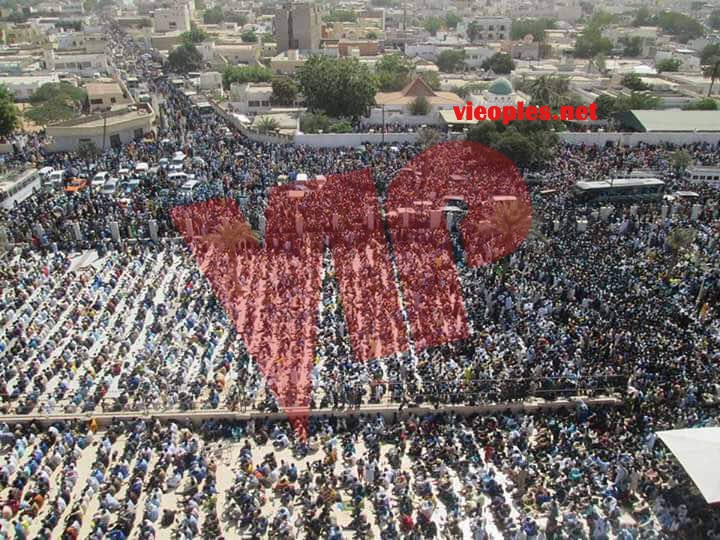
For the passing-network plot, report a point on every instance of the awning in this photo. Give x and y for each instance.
(698, 451)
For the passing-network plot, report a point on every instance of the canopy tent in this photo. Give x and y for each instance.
(698, 451)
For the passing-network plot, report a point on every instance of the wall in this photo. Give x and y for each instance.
(633, 139)
(332, 140)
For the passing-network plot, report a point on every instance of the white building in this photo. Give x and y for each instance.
(689, 59)
(475, 56)
(499, 93)
(175, 19)
(76, 63)
(24, 86)
(491, 28)
(250, 98)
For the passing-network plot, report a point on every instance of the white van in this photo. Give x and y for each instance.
(110, 187)
(178, 177)
(188, 188)
(99, 179)
(141, 167)
(55, 178)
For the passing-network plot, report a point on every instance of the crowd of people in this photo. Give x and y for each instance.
(264, 294)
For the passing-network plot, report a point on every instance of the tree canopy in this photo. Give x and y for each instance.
(246, 74)
(213, 15)
(284, 91)
(184, 58)
(433, 24)
(193, 36)
(702, 104)
(634, 82)
(9, 117)
(668, 64)
(683, 27)
(55, 102)
(340, 87)
(500, 63)
(451, 60)
(528, 144)
(535, 27)
(393, 72)
(340, 15)
(591, 42)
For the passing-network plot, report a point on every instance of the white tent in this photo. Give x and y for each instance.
(698, 451)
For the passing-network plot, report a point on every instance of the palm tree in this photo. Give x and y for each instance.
(549, 90)
(228, 237)
(679, 240)
(512, 219)
(267, 124)
(712, 71)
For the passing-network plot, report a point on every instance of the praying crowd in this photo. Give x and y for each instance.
(217, 314)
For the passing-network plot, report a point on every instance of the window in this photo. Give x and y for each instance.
(253, 103)
(138, 133)
(113, 100)
(115, 141)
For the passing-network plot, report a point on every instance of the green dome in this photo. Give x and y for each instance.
(500, 87)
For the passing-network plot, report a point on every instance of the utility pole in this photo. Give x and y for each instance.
(104, 117)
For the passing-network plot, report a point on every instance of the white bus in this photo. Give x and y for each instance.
(619, 189)
(703, 175)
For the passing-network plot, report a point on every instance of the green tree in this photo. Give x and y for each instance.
(420, 106)
(500, 63)
(432, 25)
(314, 123)
(343, 126)
(683, 27)
(473, 31)
(590, 42)
(708, 52)
(605, 106)
(184, 58)
(431, 78)
(714, 19)
(340, 15)
(451, 60)
(213, 15)
(249, 36)
(528, 144)
(535, 27)
(632, 47)
(636, 101)
(238, 18)
(668, 64)
(62, 89)
(550, 90)
(711, 71)
(193, 36)
(393, 72)
(428, 137)
(634, 82)
(245, 74)
(452, 20)
(340, 87)
(372, 35)
(284, 91)
(267, 124)
(9, 117)
(702, 104)
(642, 17)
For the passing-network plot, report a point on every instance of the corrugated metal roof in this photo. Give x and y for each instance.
(677, 120)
